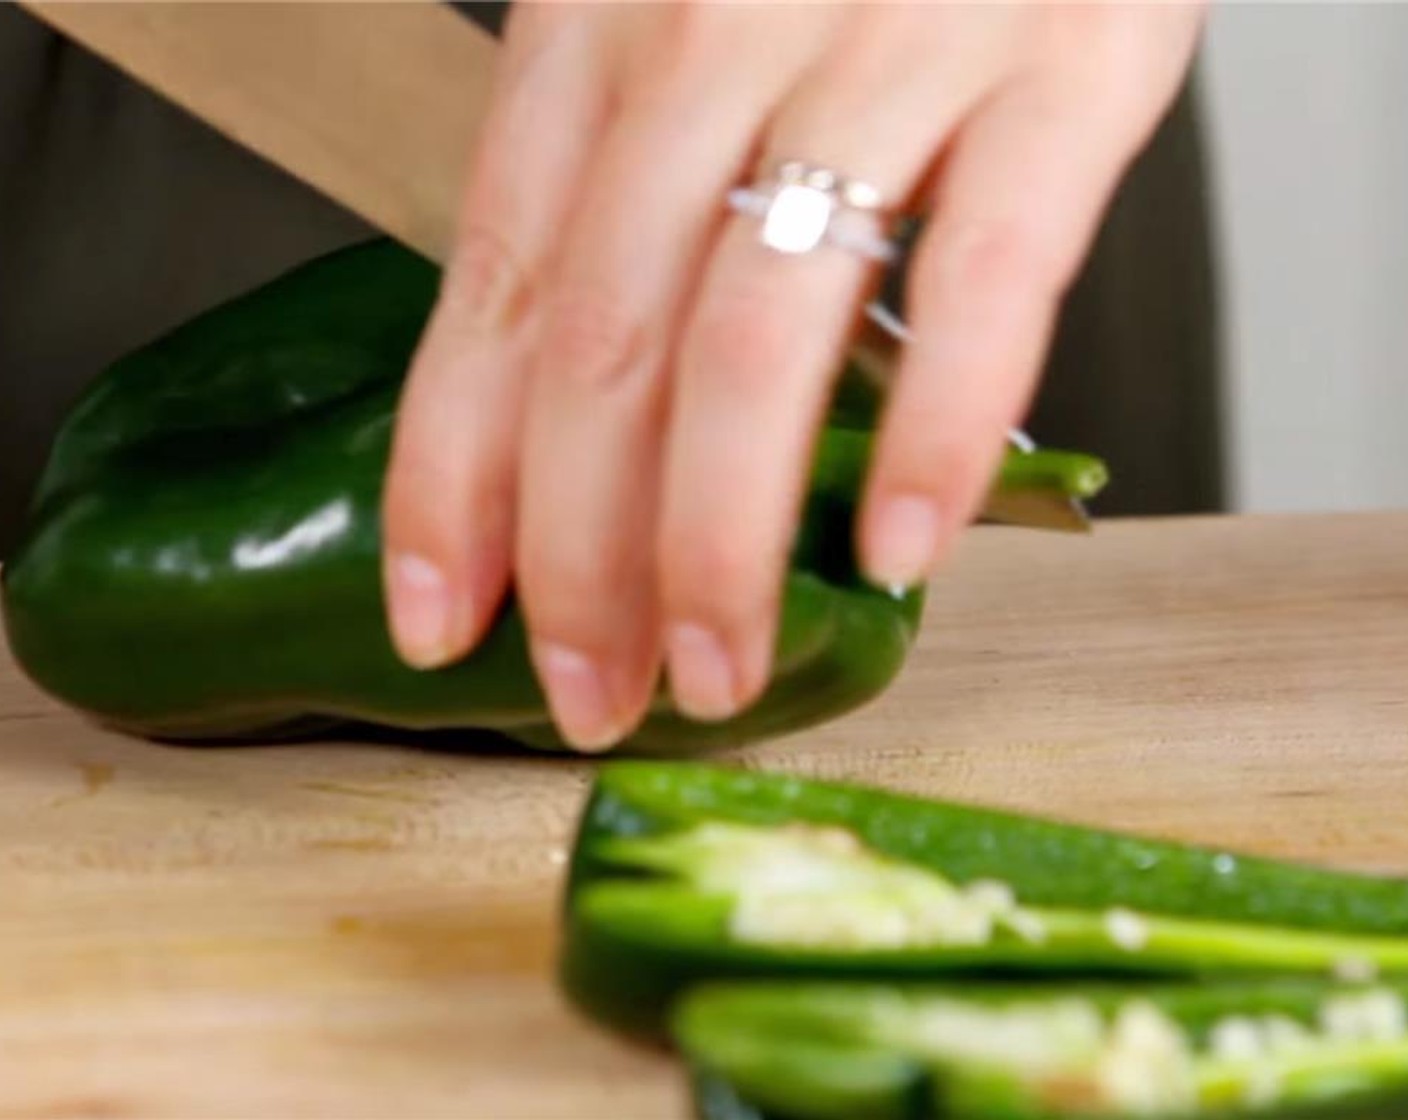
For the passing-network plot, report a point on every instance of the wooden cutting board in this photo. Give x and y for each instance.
(368, 931)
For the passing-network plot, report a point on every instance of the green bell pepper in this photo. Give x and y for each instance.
(201, 559)
(683, 874)
(1276, 1051)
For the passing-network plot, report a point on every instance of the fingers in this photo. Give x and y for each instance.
(448, 499)
(752, 378)
(613, 366)
(758, 355)
(593, 436)
(1024, 185)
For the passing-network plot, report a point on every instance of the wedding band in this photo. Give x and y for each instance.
(803, 206)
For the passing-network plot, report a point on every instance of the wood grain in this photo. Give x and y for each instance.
(374, 104)
(355, 931)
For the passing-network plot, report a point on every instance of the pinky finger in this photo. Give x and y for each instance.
(1022, 190)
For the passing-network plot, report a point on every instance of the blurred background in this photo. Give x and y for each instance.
(1307, 137)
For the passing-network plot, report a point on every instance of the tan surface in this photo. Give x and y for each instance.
(342, 931)
(374, 104)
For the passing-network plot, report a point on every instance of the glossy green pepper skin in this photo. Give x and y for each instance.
(202, 559)
(666, 864)
(859, 1052)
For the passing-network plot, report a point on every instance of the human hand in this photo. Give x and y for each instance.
(614, 402)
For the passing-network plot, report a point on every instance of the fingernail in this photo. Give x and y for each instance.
(702, 679)
(903, 541)
(421, 611)
(577, 694)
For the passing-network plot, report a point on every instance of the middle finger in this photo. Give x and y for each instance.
(592, 441)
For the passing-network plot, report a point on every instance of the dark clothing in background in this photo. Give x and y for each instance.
(121, 216)
(1135, 373)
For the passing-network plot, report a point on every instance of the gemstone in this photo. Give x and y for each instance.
(797, 219)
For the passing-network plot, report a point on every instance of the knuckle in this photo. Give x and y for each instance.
(1003, 253)
(407, 514)
(1078, 35)
(954, 474)
(945, 473)
(1108, 38)
(590, 337)
(738, 339)
(414, 471)
(689, 40)
(936, 441)
(485, 285)
(576, 594)
(1115, 57)
(712, 574)
(436, 493)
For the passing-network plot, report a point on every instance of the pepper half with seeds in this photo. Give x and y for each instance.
(202, 558)
(1274, 1051)
(684, 874)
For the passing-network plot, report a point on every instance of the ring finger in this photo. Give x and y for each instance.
(768, 331)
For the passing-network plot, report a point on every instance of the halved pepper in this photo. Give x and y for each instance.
(1276, 1050)
(684, 874)
(201, 561)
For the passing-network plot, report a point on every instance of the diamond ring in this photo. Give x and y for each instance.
(803, 206)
